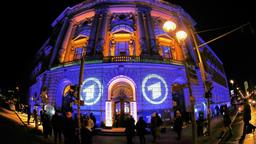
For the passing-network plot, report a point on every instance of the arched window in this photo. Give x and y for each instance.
(122, 41)
(66, 90)
(79, 44)
(169, 48)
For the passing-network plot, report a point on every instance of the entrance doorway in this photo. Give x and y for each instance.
(121, 101)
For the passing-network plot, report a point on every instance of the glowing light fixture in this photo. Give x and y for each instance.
(169, 26)
(181, 35)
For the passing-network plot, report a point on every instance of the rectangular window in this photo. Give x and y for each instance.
(78, 53)
(166, 51)
(122, 48)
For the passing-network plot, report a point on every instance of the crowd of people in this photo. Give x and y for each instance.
(65, 124)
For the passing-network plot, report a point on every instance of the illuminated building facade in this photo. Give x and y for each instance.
(131, 65)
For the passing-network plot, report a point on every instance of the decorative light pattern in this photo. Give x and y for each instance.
(91, 91)
(153, 84)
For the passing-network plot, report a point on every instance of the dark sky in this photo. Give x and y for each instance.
(26, 26)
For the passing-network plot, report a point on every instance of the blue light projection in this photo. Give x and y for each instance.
(154, 89)
(91, 91)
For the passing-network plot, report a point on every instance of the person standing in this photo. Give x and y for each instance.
(129, 129)
(141, 130)
(178, 124)
(29, 115)
(93, 118)
(57, 125)
(86, 131)
(226, 121)
(69, 129)
(35, 117)
(159, 124)
(153, 126)
(46, 123)
(246, 118)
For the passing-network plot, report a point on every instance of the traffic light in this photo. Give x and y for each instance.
(209, 87)
(208, 94)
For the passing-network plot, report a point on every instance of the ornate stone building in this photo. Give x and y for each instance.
(132, 66)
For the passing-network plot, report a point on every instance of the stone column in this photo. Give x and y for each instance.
(101, 31)
(151, 34)
(69, 49)
(92, 37)
(141, 31)
(59, 41)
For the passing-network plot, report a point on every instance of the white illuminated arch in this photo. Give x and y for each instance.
(133, 104)
(148, 77)
(121, 78)
(99, 92)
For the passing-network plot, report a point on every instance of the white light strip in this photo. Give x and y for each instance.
(134, 111)
(108, 114)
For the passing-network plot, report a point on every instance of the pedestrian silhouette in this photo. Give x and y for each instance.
(141, 130)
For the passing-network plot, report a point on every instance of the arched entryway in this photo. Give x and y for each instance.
(121, 101)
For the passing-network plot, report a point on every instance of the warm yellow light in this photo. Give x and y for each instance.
(164, 40)
(232, 81)
(169, 26)
(181, 35)
(122, 37)
(80, 41)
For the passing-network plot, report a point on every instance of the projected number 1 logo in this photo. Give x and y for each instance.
(91, 91)
(154, 89)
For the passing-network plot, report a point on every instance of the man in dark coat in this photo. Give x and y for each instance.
(57, 125)
(129, 128)
(141, 130)
(86, 132)
(69, 129)
(153, 126)
(178, 124)
(246, 117)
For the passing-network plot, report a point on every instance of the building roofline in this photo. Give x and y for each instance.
(90, 4)
(209, 48)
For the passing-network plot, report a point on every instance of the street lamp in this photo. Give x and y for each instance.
(169, 27)
(232, 82)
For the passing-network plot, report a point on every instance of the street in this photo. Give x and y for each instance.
(238, 130)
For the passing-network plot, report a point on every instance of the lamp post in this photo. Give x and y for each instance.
(81, 74)
(169, 27)
(203, 76)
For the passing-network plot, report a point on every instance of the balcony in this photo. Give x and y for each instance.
(121, 59)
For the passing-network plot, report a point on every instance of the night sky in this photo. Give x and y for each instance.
(26, 26)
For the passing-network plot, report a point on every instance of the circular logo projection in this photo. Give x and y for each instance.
(154, 89)
(91, 91)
